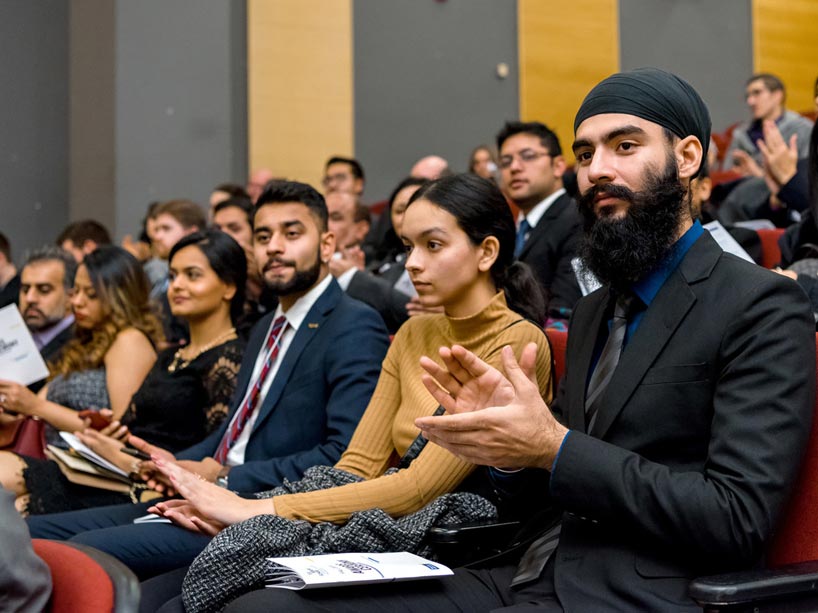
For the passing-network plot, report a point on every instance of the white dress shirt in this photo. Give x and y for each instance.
(295, 317)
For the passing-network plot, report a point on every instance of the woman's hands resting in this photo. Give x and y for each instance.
(207, 508)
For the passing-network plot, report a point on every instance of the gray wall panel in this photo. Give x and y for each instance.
(92, 163)
(34, 125)
(708, 43)
(180, 102)
(425, 82)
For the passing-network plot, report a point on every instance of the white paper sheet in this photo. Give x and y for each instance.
(20, 360)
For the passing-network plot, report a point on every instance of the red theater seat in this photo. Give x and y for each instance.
(790, 581)
(86, 580)
(558, 340)
(770, 251)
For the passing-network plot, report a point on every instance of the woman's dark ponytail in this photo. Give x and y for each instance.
(524, 294)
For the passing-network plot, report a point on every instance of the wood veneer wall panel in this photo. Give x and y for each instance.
(300, 85)
(565, 48)
(785, 43)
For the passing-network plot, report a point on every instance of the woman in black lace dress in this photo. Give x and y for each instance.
(186, 394)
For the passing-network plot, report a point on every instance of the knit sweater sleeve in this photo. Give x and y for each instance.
(434, 472)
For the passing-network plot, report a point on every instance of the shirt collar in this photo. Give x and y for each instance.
(295, 314)
(647, 288)
(43, 337)
(535, 214)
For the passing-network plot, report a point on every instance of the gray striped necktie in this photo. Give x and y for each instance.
(608, 360)
(536, 556)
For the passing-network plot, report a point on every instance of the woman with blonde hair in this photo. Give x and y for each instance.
(116, 333)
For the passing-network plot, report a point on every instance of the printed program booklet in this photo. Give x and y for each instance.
(306, 572)
(20, 360)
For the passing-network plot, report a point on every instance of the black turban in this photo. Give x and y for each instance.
(652, 94)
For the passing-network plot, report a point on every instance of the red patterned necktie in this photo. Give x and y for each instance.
(236, 427)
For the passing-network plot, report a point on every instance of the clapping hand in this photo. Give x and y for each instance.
(780, 158)
(492, 419)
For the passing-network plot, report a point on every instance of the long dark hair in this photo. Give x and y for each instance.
(226, 258)
(123, 289)
(481, 211)
(390, 246)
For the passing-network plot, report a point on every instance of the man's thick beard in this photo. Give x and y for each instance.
(302, 280)
(620, 252)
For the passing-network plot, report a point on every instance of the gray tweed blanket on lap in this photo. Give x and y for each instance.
(234, 561)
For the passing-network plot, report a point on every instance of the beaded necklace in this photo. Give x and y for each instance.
(179, 361)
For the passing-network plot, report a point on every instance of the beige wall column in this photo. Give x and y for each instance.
(300, 84)
(565, 49)
(785, 43)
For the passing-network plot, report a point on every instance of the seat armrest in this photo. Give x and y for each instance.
(756, 585)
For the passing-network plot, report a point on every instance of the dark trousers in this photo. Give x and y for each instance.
(470, 591)
(148, 550)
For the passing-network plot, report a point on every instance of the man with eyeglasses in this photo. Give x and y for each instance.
(343, 175)
(548, 227)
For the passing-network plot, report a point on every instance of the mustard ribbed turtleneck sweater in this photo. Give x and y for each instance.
(387, 428)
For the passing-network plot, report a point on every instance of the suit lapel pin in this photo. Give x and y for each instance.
(312, 326)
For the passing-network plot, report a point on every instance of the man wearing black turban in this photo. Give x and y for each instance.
(684, 410)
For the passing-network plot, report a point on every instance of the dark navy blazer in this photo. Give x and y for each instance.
(319, 393)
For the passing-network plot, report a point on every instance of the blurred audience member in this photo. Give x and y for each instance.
(258, 179)
(483, 163)
(45, 300)
(225, 191)
(766, 98)
(155, 267)
(9, 279)
(234, 217)
(347, 263)
(382, 246)
(343, 175)
(765, 151)
(173, 220)
(81, 237)
(430, 167)
(390, 250)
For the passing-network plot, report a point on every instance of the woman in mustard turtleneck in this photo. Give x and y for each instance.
(459, 235)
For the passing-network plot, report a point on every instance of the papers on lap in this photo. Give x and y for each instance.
(332, 570)
(20, 360)
(93, 457)
(83, 472)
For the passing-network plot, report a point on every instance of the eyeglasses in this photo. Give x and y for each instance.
(336, 178)
(526, 156)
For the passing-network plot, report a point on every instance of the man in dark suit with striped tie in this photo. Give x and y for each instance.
(308, 373)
